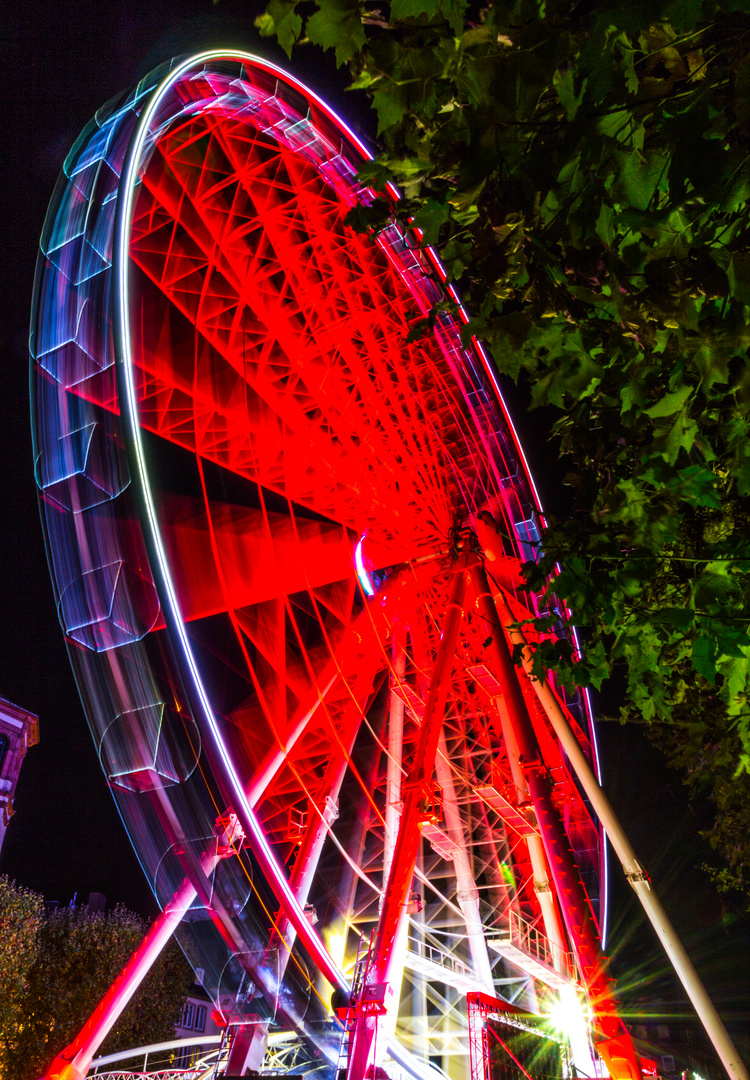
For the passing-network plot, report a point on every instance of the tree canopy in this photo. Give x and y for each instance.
(56, 968)
(21, 917)
(582, 170)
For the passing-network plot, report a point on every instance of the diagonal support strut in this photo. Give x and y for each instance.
(367, 1048)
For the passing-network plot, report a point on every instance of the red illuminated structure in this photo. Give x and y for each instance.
(482, 1036)
(285, 539)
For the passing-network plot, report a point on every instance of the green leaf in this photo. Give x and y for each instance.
(401, 10)
(683, 14)
(265, 24)
(375, 174)
(479, 35)
(507, 359)
(337, 24)
(627, 63)
(703, 658)
(697, 485)
(638, 177)
(735, 673)
(391, 104)
(570, 96)
(364, 218)
(429, 219)
(364, 80)
(281, 18)
(633, 395)
(506, 341)
(679, 618)
(681, 435)
(739, 276)
(597, 665)
(615, 125)
(670, 403)
(456, 256)
(454, 12)
(604, 225)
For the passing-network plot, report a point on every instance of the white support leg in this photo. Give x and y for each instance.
(553, 926)
(634, 871)
(468, 895)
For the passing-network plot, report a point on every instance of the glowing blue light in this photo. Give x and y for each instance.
(364, 577)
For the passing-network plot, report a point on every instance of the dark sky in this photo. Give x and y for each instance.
(60, 62)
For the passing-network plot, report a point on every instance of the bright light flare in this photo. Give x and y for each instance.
(568, 1017)
(336, 943)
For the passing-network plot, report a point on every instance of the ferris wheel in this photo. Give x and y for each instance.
(285, 517)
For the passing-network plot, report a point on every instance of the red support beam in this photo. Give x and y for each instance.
(480, 1007)
(319, 818)
(613, 1041)
(74, 1061)
(419, 795)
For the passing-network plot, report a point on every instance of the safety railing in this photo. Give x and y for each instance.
(176, 1059)
(438, 956)
(535, 943)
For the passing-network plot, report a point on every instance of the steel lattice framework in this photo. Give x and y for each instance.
(276, 521)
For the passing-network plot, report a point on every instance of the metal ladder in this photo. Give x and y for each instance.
(361, 964)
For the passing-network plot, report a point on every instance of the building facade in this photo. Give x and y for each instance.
(19, 729)
(197, 1020)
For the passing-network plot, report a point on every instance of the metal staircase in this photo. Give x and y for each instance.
(348, 1014)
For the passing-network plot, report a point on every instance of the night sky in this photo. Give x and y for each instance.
(60, 62)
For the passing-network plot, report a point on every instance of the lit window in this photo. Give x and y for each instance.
(200, 1018)
(4, 744)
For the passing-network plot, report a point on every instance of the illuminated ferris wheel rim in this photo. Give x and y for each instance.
(144, 132)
